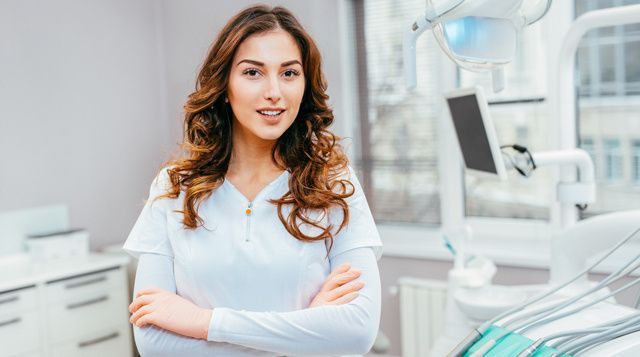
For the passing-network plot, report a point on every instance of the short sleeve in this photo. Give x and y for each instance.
(361, 231)
(149, 233)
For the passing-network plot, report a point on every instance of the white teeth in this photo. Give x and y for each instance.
(271, 113)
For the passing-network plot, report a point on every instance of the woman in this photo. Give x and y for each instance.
(245, 245)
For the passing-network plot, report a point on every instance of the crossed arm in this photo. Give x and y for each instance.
(331, 329)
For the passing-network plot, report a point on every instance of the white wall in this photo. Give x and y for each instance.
(82, 113)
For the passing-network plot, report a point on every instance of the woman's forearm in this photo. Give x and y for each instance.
(343, 329)
(151, 341)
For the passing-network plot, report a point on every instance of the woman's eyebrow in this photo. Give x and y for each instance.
(260, 64)
(289, 63)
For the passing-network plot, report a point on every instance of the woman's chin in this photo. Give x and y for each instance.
(269, 135)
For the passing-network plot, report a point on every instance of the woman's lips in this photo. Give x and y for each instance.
(272, 119)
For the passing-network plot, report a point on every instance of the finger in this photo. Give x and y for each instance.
(139, 301)
(340, 269)
(140, 313)
(347, 277)
(345, 299)
(344, 290)
(145, 320)
(341, 279)
(149, 290)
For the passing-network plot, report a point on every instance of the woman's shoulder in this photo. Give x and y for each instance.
(347, 176)
(343, 172)
(162, 189)
(161, 183)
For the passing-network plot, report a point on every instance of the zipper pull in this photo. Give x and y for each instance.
(248, 212)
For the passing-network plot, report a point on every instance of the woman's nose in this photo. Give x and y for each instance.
(272, 91)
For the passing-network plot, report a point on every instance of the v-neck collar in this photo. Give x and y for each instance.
(263, 191)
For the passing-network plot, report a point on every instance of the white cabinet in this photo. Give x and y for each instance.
(105, 344)
(20, 333)
(77, 307)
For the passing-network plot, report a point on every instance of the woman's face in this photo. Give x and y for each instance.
(266, 85)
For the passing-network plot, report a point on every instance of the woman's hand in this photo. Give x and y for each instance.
(166, 310)
(339, 288)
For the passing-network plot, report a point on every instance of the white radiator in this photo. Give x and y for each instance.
(422, 314)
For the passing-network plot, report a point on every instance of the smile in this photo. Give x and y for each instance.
(271, 113)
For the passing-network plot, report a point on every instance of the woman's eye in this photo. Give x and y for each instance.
(250, 72)
(291, 73)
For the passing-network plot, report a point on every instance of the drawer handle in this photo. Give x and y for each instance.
(11, 299)
(10, 322)
(88, 302)
(86, 282)
(99, 339)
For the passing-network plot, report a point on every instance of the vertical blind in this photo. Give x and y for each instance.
(396, 154)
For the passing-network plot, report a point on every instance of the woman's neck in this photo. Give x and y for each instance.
(252, 156)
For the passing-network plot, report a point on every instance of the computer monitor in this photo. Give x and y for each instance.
(475, 131)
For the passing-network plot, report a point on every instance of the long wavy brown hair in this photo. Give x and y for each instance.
(307, 148)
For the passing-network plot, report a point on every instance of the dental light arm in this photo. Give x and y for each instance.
(533, 13)
(411, 34)
(409, 49)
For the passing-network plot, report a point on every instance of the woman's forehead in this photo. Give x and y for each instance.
(271, 48)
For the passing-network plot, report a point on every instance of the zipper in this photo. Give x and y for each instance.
(248, 213)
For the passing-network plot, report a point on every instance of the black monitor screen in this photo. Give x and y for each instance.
(472, 135)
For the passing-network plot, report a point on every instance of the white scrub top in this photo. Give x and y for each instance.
(243, 258)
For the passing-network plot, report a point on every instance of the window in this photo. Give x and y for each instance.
(608, 57)
(589, 146)
(635, 157)
(396, 152)
(613, 160)
(608, 102)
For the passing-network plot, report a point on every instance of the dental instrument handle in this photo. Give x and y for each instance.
(587, 339)
(536, 316)
(578, 309)
(549, 310)
(484, 349)
(464, 345)
(603, 339)
(567, 337)
(561, 286)
(531, 349)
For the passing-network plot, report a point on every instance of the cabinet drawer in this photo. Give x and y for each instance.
(86, 314)
(96, 282)
(107, 343)
(19, 333)
(13, 301)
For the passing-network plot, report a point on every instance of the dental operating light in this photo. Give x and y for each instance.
(478, 35)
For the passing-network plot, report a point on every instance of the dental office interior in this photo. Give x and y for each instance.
(536, 257)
